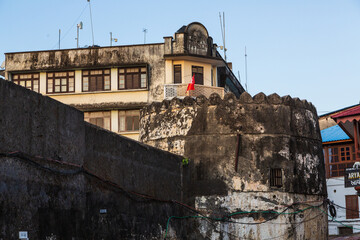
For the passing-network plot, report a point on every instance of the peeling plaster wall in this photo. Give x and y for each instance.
(87, 58)
(273, 132)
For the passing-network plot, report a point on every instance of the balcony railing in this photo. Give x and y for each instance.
(179, 90)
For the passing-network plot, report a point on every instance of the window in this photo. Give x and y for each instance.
(177, 73)
(129, 120)
(338, 158)
(96, 80)
(100, 119)
(60, 82)
(132, 78)
(199, 74)
(345, 230)
(352, 206)
(275, 177)
(28, 80)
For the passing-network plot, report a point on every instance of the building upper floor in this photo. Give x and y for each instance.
(133, 73)
(341, 142)
(111, 84)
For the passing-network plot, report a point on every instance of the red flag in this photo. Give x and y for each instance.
(191, 85)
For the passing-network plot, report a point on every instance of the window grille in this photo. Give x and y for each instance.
(276, 177)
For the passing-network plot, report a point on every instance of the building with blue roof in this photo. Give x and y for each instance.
(339, 154)
(333, 134)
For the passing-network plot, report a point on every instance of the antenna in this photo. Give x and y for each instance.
(222, 26)
(59, 37)
(112, 39)
(246, 78)
(92, 28)
(78, 26)
(145, 31)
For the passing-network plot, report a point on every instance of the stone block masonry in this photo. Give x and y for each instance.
(249, 154)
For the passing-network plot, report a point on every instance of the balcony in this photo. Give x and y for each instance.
(179, 91)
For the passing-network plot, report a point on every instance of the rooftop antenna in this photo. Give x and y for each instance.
(145, 31)
(92, 28)
(78, 26)
(222, 26)
(112, 39)
(59, 37)
(246, 78)
(239, 77)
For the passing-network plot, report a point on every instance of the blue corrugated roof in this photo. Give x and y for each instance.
(334, 133)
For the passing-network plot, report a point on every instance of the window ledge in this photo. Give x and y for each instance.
(129, 132)
(97, 92)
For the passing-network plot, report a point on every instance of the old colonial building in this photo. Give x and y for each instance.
(111, 84)
(341, 151)
(325, 120)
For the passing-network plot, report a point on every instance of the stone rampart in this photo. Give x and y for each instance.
(239, 148)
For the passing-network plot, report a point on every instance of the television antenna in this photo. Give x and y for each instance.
(112, 39)
(246, 78)
(59, 37)
(145, 32)
(222, 26)
(92, 28)
(78, 26)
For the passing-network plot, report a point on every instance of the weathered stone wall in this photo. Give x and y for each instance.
(57, 172)
(39, 125)
(268, 132)
(104, 57)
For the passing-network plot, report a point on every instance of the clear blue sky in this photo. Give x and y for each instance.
(303, 48)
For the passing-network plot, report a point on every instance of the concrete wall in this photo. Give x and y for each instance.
(65, 173)
(268, 132)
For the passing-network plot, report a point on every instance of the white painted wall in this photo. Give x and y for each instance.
(337, 193)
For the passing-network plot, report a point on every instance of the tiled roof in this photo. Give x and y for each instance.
(334, 133)
(350, 112)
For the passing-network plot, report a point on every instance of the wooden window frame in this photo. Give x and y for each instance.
(352, 206)
(51, 76)
(105, 115)
(199, 77)
(177, 81)
(17, 80)
(338, 158)
(129, 115)
(88, 74)
(276, 177)
(124, 72)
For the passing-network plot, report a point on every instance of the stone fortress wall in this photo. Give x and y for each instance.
(233, 146)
